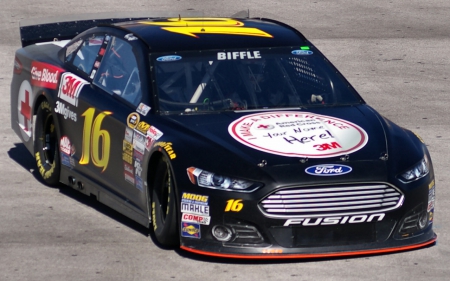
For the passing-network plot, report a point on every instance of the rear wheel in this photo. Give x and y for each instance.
(164, 211)
(46, 150)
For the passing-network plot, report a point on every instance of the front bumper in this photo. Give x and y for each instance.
(255, 234)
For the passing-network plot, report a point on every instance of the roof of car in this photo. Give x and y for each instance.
(176, 34)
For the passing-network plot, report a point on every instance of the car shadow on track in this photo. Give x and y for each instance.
(23, 157)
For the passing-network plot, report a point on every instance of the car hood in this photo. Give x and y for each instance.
(283, 137)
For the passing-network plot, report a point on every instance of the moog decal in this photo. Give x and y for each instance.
(298, 134)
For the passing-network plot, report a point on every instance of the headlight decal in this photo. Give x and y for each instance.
(211, 180)
(419, 171)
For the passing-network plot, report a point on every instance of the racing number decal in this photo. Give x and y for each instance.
(96, 142)
(191, 26)
(234, 205)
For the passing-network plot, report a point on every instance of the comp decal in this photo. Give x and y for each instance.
(24, 106)
(298, 134)
(196, 26)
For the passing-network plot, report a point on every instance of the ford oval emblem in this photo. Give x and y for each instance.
(302, 52)
(328, 170)
(169, 58)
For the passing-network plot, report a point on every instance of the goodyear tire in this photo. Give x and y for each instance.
(46, 150)
(163, 204)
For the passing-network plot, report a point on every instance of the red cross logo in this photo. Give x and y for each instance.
(25, 110)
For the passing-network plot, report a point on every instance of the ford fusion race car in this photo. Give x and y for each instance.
(229, 137)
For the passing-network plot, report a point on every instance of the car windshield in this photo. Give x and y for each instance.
(252, 79)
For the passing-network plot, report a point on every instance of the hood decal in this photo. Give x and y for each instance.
(298, 134)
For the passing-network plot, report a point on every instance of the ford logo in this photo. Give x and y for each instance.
(302, 52)
(169, 58)
(328, 170)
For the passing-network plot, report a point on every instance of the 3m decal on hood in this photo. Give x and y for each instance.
(193, 26)
(298, 134)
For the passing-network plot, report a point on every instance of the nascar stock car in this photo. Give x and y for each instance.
(228, 137)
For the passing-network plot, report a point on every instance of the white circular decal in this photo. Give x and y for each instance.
(25, 112)
(298, 134)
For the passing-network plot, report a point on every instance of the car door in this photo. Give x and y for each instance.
(101, 137)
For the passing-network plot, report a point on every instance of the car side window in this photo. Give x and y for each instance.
(88, 49)
(118, 72)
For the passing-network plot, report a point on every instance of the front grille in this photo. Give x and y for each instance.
(327, 201)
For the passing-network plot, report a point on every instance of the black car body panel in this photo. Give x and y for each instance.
(322, 176)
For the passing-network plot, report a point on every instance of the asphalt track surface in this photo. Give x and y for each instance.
(395, 53)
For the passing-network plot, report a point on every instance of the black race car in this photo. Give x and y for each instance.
(229, 137)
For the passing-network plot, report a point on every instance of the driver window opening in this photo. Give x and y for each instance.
(118, 72)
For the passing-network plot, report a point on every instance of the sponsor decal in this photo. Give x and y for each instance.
(128, 168)
(167, 147)
(328, 170)
(194, 198)
(137, 168)
(64, 145)
(234, 205)
(143, 109)
(70, 88)
(238, 55)
(133, 120)
(431, 201)
(129, 135)
(67, 151)
(298, 134)
(65, 111)
(194, 209)
(72, 48)
(127, 147)
(153, 134)
(24, 104)
(66, 160)
(185, 217)
(45, 75)
(302, 52)
(193, 26)
(138, 155)
(129, 178)
(127, 158)
(168, 58)
(142, 127)
(139, 142)
(334, 220)
(130, 37)
(190, 230)
(128, 172)
(139, 183)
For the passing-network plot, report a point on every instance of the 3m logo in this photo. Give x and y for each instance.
(327, 146)
(70, 88)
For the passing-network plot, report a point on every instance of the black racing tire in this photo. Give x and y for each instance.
(46, 148)
(163, 204)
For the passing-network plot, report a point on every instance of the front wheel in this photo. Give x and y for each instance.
(46, 150)
(163, 203)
